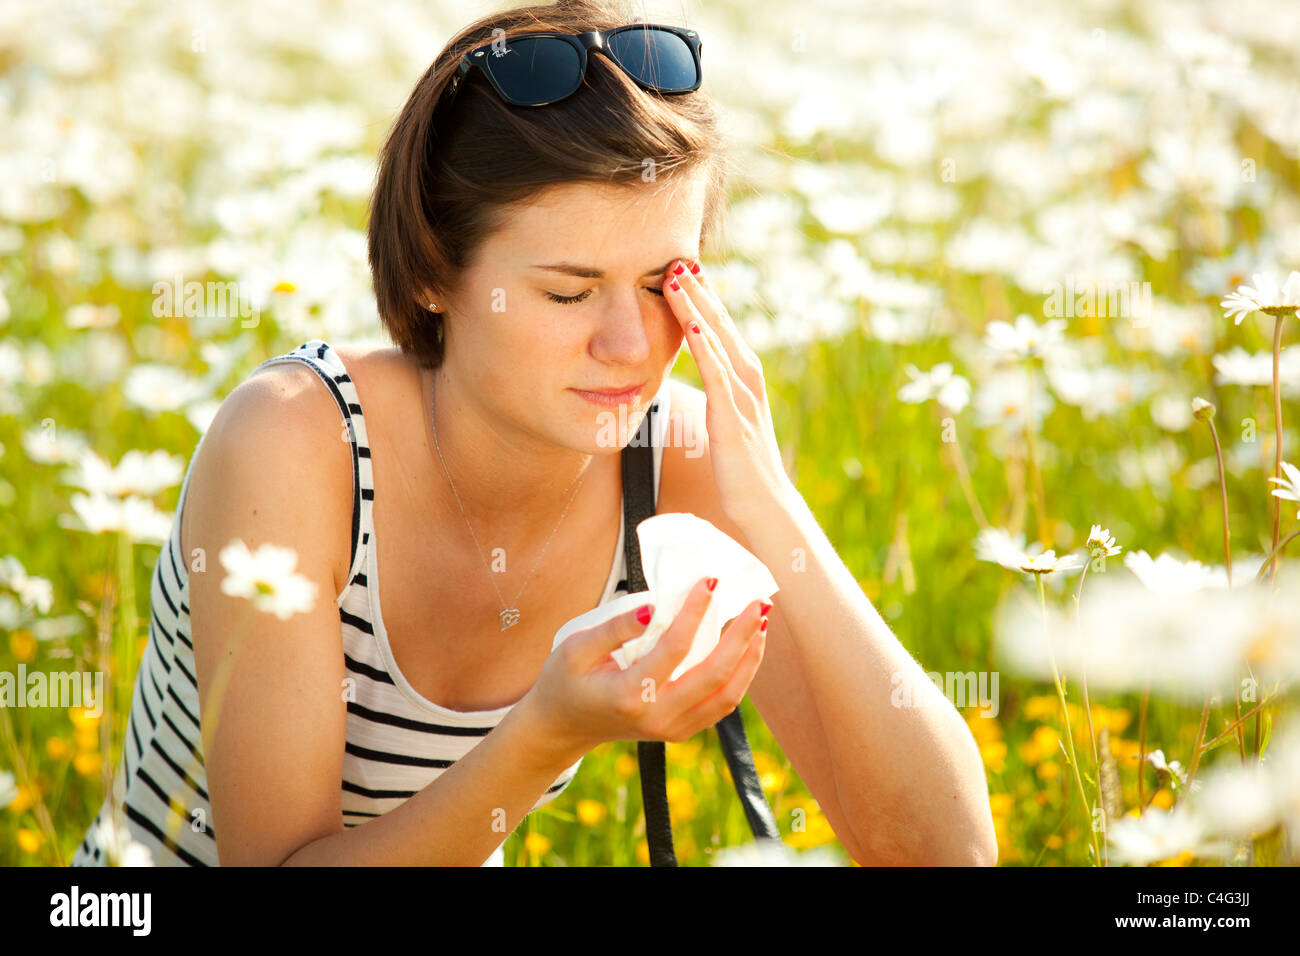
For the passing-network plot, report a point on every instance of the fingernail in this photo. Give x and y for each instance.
(764, 608)
(695, 327)
(711, 583)
(675, 286)
(763, 625)
(679, 270)
(695, 268)
(643, 614)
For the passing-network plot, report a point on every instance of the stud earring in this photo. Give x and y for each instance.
(433, 307)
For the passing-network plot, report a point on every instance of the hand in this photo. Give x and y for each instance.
(583, 699)
(747, 464)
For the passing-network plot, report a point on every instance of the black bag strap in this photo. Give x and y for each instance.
(639, 504)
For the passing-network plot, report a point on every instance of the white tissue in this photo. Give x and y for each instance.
(677, 550)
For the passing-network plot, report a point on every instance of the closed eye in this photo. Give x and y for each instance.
(571, 299)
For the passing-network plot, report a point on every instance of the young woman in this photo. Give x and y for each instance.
(534, 240)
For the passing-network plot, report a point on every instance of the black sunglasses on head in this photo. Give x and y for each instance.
(537, 69)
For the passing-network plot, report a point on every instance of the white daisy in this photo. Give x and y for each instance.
(1288, 487)
(120, 848)
(138, 517)
(1025, 337)
(1100, 543)
(951, 391)
(1264, 296)
(32, 592)
(1170, 768)
(1168, 575)
(137, 473)
(8, 790)
(1000, 547)
(1159, 835)
(267, 578)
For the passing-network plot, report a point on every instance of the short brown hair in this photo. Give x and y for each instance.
(440, 193)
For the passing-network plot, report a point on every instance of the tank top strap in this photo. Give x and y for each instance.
(318, 355)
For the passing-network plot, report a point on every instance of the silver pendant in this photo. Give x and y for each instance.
(509, 617)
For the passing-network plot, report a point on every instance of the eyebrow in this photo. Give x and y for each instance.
(587, 272)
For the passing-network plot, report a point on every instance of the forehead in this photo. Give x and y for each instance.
(604, 224)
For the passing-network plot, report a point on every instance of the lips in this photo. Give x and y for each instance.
(613, 391)
(610, 397)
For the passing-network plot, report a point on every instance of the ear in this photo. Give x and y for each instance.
(427, 295)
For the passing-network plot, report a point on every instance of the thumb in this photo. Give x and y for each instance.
(594, 643)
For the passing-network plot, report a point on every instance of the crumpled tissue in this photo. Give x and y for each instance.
(677, 550)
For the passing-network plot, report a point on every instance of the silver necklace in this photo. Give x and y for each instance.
(509, 615)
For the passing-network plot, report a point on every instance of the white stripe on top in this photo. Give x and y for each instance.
(397, 741)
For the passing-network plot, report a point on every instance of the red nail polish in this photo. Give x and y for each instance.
(674, 286)
(643, 614)
(711, 583)
(764, 608)
(763, 625)
(679, 270)
(695, 268)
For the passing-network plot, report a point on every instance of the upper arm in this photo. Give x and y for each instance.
(271, 470)
(779, 690)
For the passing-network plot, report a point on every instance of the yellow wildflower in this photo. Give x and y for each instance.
(1163, 799)
(23, 646)
(985, 730)
(29, 841)
(83, 717)
(643, 853)
(994, 754)
(686, 753)
(681, 798)
(1000, 804)
(87, 764)
(1049, 770)
(625, 764)
(591, 812)
(817, 831)
(1116, 721)
(57, 748)
(1042, 707)
(1043, 743)
(537, 844)
(21, 802)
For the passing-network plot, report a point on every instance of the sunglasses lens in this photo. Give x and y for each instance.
(655, 58)
(535, 70)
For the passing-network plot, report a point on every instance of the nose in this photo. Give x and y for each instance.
(621, 337)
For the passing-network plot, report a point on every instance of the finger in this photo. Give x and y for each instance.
(675, 643)
(593, 644)
(712, 673)
(744, 359)
(723, 701)
(705, 308)
(709, 357)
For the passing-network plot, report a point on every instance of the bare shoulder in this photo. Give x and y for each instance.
(277, 449)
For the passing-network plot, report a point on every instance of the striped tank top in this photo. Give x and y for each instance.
(397, 741)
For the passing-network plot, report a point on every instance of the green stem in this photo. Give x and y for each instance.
(1069, 734)
(124, 659)
(1277, 442)
(1282, 544)
(1223, 494)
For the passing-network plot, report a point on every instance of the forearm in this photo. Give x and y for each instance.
(466, 813)
(910, 777)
